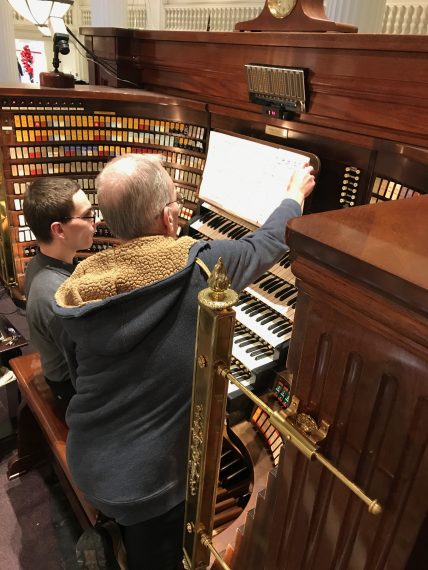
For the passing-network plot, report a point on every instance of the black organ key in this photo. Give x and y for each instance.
(238, 233)
(217, 222)
(224, 226)
(287, 294)
(266, 319)
(279, 328)
(253, 306)
(285, 261)
(279, 284)
(256, 310)
(227, 227)
(284, 292)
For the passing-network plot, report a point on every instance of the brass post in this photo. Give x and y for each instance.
(216, 320)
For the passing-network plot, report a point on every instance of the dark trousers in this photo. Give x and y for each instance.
(63, 392)
(156, 544)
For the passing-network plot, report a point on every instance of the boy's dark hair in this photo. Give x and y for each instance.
(48, 200)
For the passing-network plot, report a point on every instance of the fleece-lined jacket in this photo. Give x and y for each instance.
(131, 313)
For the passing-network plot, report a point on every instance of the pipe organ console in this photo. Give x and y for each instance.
(364, 117)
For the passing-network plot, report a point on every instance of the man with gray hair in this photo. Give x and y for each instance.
(131, 312)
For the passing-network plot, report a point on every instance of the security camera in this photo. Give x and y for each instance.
(59, 34)
(60, 45)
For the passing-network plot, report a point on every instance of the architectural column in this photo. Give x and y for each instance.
(113, 14)
(155, 14)
(8, 65)
(366, 14)
(81, 63)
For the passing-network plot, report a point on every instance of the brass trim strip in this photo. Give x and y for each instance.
(203, 266)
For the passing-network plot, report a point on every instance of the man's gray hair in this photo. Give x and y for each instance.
(132, 192)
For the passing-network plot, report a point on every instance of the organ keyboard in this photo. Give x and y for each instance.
(264, 288)
(243, 374)
(217, 224)
(252, 350)
(269, 324)
(265, 311)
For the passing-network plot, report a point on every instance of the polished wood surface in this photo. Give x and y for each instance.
(372, 85)
(359, 355)
(99, 93)
(384, 248)
(38, 410)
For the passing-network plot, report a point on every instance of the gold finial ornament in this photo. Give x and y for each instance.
(218, 280)
(218, 296)
(281, 8)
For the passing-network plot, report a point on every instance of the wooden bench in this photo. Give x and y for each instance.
(42, 428)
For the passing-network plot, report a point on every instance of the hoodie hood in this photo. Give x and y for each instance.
(135, 264)
(117, 297)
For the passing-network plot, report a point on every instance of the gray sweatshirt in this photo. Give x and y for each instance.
(43, 276)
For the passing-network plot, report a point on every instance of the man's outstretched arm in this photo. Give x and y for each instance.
(248, 258)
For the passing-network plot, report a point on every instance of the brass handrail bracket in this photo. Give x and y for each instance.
(304, 433)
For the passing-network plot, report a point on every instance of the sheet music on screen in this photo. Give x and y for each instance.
(245, 177)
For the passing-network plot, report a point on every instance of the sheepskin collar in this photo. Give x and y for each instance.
(134, 264)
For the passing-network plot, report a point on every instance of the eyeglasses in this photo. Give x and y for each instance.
(91, 217)
(180, 200)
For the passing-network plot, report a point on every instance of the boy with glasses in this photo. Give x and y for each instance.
(60, 216)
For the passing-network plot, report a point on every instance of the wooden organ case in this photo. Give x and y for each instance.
(359, 356)
(365, 118)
